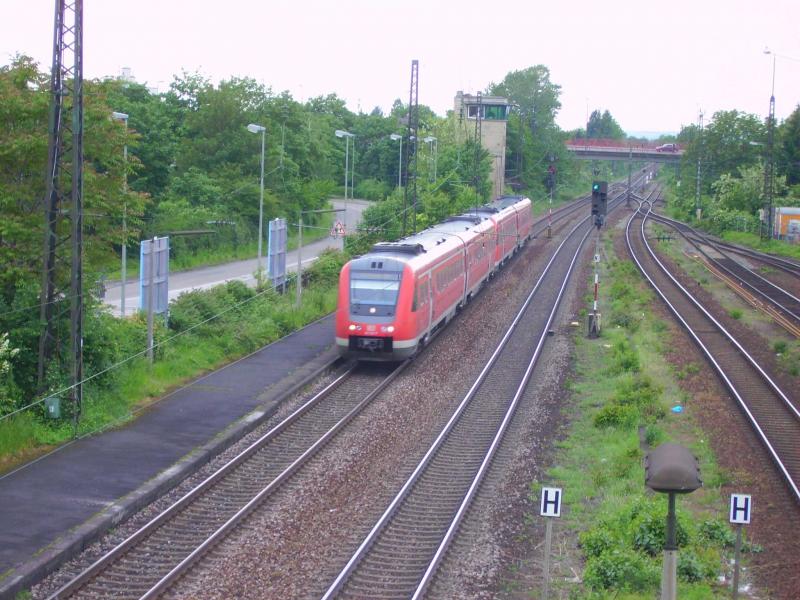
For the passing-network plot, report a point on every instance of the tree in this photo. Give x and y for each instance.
(534, 141)
(788, 154)
(731, 140)
(155, 122)
(604, 126)
(23, 151)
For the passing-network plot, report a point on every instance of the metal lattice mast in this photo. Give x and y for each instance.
(478, 146)
(697, 209)
(769, 168)
(411, 152)
(63, 206)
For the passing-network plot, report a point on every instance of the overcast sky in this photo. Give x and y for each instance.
(653, 65)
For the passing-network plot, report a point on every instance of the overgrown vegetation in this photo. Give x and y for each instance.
(623, 393)
(206, 329)
(730, 151)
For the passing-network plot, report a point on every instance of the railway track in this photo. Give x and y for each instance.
(401, 554)
(769, 410)
(149, 561)
(779, 303)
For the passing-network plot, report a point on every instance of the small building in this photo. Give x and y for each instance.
(786, 225)
(493, 111)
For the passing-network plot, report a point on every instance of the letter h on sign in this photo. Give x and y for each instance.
(551, 502)
(740, 509)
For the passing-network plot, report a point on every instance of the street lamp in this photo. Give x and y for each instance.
(395, 137)
(346, 135)
(253, 128)
(434, 147)
(118, 116)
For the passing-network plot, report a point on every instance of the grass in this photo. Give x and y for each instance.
(116, 397)
(623, 393)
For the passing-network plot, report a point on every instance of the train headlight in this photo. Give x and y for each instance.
(387, 328)
(352, 327)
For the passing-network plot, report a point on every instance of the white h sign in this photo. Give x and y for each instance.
(740, 509)
(551, 502)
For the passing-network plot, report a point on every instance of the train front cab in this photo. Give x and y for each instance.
(374, 292)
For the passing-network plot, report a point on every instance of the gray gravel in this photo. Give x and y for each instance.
(297, 542)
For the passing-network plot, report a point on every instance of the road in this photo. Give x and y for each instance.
(242, 270)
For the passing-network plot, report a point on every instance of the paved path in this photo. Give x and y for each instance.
(59, 504)
(243, 270)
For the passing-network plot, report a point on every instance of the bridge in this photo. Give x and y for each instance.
(593, 149)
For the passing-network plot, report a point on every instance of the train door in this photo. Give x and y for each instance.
(422, 305)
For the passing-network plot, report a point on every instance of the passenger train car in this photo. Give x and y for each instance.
(394, 298)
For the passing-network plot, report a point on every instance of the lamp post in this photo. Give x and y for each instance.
(124, 117)
(395, 137)
(253, 128)
(671, 469)
(434, 148)
(346, 135)
(769, 167)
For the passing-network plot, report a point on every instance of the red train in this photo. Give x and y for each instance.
(392, 299)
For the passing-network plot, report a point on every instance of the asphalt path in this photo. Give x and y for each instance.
(242, 270)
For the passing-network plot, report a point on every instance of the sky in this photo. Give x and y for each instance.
(653, 65)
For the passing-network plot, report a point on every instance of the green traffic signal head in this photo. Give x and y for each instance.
(595, 187)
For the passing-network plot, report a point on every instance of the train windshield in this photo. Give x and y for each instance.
(376, 289)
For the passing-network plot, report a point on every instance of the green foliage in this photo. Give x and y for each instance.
(788, 155)
(7, 352)
(649, 534)
(636, 400)
(716, 533)
(325, 270)
(621, 569)
(624, 357)
(372, 189)
(534, 141)
(604, 126)
(780, 347)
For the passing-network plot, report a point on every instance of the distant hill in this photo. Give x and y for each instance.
(650, 135)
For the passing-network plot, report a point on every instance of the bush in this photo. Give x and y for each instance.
(651, 533)
(372, 189)
(616, 415)
(622, 570)
(595, 542)
(625, 358)
(325, 270)
(635, 400)
(717, 533)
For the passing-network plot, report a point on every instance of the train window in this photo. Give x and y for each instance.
(374, 288)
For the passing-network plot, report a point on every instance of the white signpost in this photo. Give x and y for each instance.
(739, 514)
(550, 507)
(276, 253)
(153, 283)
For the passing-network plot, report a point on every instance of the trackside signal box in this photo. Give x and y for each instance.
(599, 202)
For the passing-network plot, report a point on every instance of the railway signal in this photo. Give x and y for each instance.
(599, 202)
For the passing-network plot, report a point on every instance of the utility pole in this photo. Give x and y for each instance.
(411, 148)
(697, 210)
(769, 168)
(478, 146)
(630, 165)
(64, 197)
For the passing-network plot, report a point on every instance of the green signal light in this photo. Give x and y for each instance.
(596, 187)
